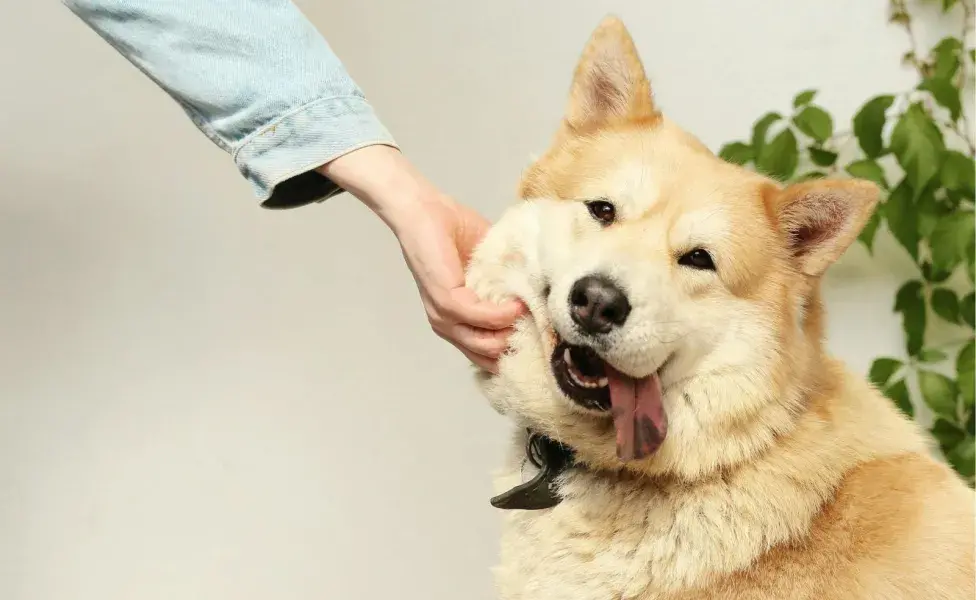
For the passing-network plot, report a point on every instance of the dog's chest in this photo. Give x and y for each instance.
(608, 541)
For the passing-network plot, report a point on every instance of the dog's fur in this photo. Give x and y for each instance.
(783, 475)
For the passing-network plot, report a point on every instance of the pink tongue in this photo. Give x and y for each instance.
(638, 414)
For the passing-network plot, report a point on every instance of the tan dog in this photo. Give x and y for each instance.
(675, 344)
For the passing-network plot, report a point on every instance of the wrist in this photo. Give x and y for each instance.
(382, 179)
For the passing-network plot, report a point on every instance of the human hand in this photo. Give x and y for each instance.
(437, 236)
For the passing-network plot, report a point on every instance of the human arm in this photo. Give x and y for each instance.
(257, 78)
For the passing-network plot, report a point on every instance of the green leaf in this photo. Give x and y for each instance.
(963, 457)
(899, 211)
(911, 304)
(947, 59)
(870, 229)
(931, 355)
(966, 372)
(779, 157)
(948, 434)
(951, 240)
(869, 123)
(959, 173)
(736, 153)
(948, 4)
(945, 303)
(868, 169)
(934, 276)
(759, 130)
(972, 55)
(918, 144)
(928, 213)
(939, 392)
(946, 94)
(898, 393)
(967, 308)
(882, 369)
(809, 175)
(804, 98)
(822, 158)
(815, 122)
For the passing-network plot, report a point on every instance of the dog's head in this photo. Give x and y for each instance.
(675, 318)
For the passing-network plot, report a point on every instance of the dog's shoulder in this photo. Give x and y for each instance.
(898, 527)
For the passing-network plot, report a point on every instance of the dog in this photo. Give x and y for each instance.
(685, 434)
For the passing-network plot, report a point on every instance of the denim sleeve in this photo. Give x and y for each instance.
(256, 77)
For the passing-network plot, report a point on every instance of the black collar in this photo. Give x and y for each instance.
(552, 458)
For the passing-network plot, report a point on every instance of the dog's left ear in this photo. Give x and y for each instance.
(820, 219)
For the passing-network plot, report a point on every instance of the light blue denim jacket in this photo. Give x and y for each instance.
(256, 77)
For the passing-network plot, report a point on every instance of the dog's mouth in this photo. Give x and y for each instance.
(582, 376)
(638, 412)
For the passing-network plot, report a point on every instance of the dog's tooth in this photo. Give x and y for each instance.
(567, 357)
(603, 382)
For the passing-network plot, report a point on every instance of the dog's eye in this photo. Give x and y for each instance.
(697, 259)
(602, 211)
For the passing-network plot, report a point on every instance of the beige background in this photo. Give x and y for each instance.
(201, 399)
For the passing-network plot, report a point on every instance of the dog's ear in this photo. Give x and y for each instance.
(609, 84)
(821, 218)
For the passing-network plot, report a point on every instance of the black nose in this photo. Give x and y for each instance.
(597, 305)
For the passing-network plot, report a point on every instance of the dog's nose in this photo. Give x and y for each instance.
(597, 305)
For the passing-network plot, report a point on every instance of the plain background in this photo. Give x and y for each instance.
(202, 399)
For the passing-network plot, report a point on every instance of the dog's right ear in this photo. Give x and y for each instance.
(609, 84)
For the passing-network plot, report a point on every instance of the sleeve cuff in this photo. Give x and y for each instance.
(280, 159)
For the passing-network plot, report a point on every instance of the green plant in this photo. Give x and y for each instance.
(918, 147)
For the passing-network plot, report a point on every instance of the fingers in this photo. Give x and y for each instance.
(485, 342)
(463, 306)
(480, 361)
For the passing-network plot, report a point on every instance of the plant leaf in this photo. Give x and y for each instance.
(928, 212)
(951, 239)
(779, 157)
(963, 457)
(931, 355)
(933, 276)
(899, 212)
(948, 434)
(939, 392)
(759, 130)
(945, 303)
(737, 153)
(804, 98)
(966, 309)
(809, 175)
(911, 304)
(946, 94)
(959, 173)
(918, 144)
(870, 228)
(815, 122)
(898, 393)
(947, 59)
(948, 4)
(868, 169)
(966, 372)
(882, 369)
(869, 123)
(822, 158)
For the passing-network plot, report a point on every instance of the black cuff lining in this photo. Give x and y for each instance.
(301, 190)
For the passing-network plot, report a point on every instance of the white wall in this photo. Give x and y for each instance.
(203, 399)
